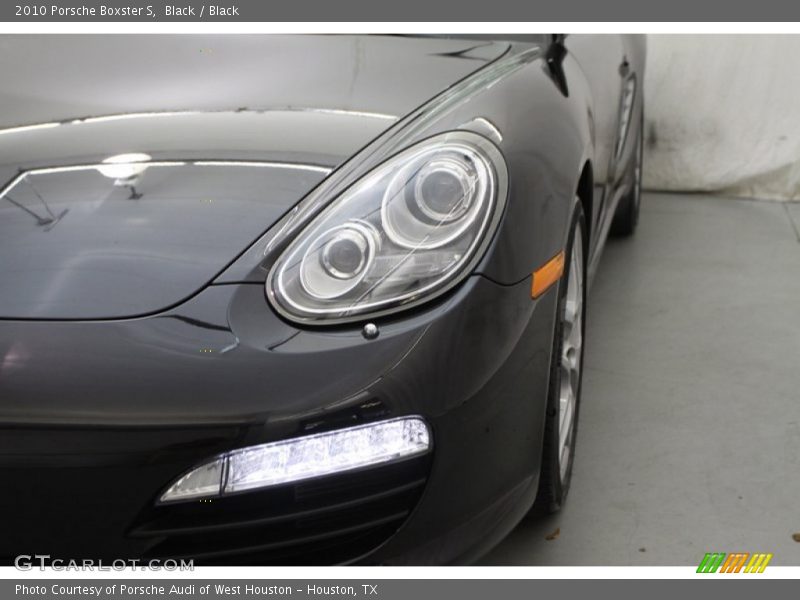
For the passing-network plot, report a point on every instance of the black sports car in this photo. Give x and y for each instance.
(299, 300)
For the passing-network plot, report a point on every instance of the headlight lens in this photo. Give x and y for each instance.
(403, 234)
(305, 457)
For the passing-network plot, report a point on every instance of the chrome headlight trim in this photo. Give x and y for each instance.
(462, 239)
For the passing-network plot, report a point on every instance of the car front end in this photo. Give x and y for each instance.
(223, 340)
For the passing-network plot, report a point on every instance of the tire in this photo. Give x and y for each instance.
(566, 375)
(626, 216)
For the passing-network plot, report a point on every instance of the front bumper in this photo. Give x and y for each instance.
(98, 417)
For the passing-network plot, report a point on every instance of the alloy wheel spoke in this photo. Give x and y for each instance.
(571, 350)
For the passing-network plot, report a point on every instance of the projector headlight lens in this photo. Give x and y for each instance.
(338, 261)
(302, 458)
(406, 232)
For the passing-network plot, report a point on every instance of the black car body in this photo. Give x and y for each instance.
(136, 337)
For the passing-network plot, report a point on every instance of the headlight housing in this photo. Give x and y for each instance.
(407, 232)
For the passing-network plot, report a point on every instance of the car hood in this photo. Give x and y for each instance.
(234, 132)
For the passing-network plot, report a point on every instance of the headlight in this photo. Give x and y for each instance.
(405, 233)
(305, 457)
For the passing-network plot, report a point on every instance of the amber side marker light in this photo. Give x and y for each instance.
(546, 275)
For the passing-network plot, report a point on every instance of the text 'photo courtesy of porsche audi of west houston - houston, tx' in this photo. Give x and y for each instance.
(300, 299)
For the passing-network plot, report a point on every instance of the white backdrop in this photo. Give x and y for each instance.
(722, 114)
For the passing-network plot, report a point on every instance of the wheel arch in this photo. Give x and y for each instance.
(585, 192)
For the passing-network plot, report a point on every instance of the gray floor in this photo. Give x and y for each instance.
(690, 424)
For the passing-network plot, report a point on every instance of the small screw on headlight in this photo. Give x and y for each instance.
(370, 331)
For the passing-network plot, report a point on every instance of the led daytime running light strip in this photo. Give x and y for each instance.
(301, 458)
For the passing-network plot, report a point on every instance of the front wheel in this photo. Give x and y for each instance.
(566, 373)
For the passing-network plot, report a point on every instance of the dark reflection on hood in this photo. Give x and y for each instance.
(133, 237)
(322, 137)
(24, 128)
